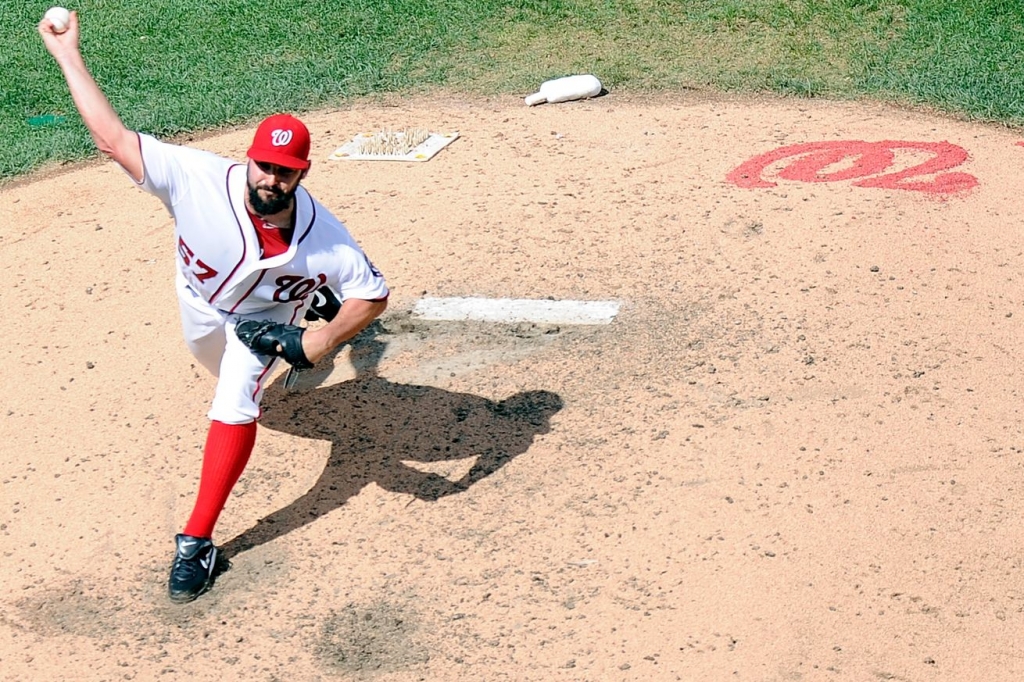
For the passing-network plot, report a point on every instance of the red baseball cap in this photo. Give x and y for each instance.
(281, 139)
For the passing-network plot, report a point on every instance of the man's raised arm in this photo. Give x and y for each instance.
(108, 132)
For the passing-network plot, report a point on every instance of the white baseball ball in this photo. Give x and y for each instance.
(59, 17)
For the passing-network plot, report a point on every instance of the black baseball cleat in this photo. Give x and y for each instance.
(192, 570)
(325, 305)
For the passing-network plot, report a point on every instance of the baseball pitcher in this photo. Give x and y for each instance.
(254, 252)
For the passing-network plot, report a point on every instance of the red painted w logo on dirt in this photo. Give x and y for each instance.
(811, 161)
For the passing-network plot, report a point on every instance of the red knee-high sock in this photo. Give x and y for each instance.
(228, 447)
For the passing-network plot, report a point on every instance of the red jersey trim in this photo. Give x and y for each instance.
(241, 234)
(312, 218)
(251, 289)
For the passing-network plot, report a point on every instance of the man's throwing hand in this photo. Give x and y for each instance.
(58, 36)
(267, 337)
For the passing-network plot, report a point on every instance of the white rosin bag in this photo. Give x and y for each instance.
(565, 89)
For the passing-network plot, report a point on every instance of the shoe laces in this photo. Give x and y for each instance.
(186, 568)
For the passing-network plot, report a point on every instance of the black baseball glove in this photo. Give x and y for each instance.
(267, 337)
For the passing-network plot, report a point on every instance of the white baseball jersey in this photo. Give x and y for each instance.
(218, 252)
(221, 277)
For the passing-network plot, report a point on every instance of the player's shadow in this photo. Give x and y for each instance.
(376, 426)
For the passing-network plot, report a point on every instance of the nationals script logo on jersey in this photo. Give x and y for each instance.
(280, 138)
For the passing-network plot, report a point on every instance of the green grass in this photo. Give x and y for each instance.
(184, 65)
(962, 57)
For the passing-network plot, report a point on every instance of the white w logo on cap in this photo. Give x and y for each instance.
(280, 138)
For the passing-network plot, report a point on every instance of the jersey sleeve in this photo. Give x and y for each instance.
(164, 169)
(360, 278)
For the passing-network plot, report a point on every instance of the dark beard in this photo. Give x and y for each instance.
(271, 207)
